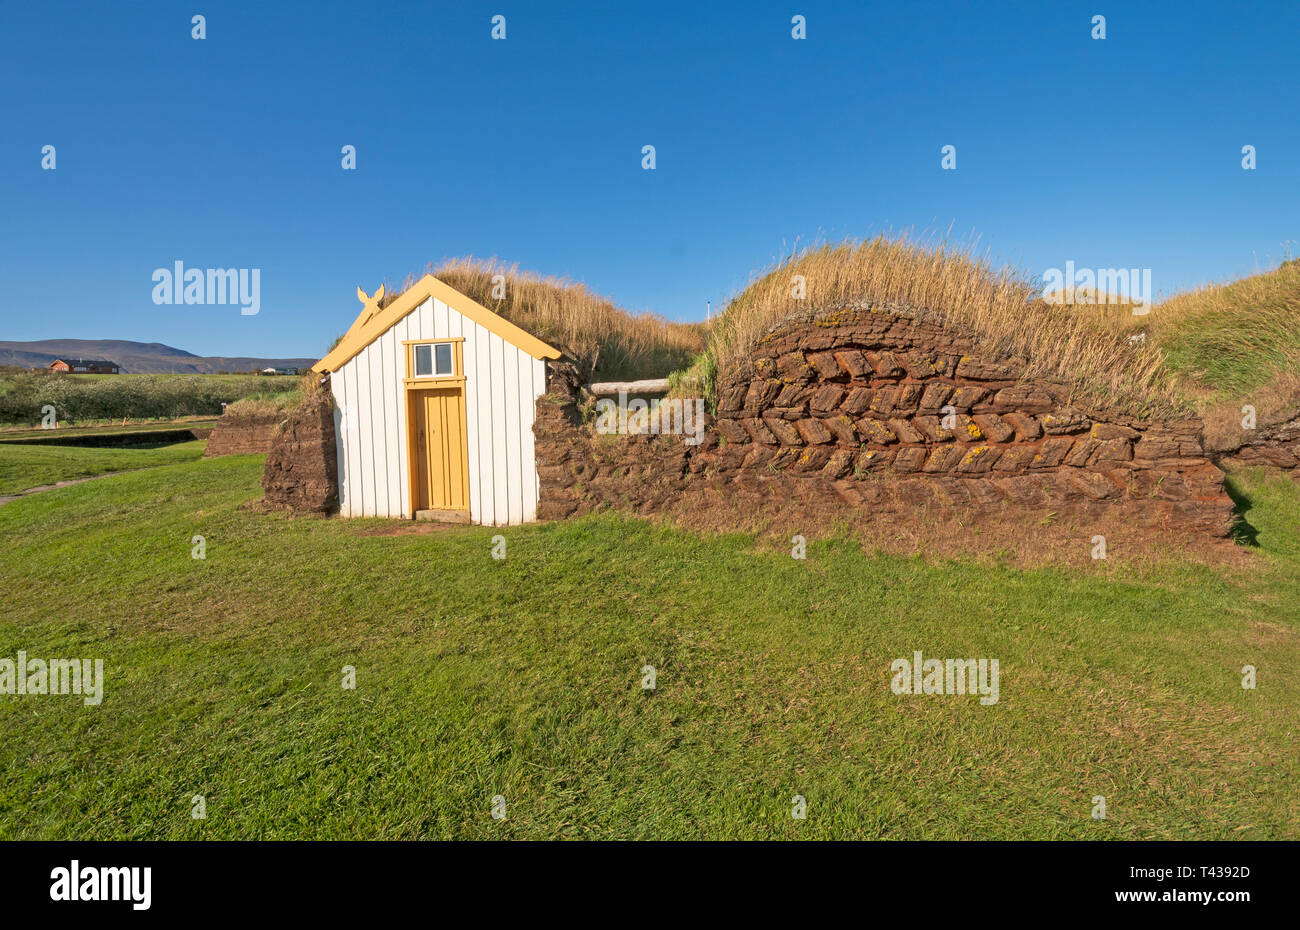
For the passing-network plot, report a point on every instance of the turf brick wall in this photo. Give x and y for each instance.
(237, 434)
(302, 467)
(852, 403)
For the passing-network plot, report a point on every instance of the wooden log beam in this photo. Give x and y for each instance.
(647, 386)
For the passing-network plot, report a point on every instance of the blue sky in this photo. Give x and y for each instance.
(225, 152)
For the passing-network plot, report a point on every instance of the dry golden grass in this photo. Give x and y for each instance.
(1197, 350)
(1093, 346)
(1089, 296)
(606, 341)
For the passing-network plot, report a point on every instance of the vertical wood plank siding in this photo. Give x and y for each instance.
(502, 384)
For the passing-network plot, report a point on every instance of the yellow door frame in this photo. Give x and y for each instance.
(413, 388)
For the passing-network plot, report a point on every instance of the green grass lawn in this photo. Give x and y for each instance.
(521, 677)
(29, 465)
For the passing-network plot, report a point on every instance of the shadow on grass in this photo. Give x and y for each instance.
(1243, 532)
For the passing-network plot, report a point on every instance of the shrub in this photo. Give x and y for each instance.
(23, 394)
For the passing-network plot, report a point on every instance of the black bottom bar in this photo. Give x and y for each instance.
(335, 879)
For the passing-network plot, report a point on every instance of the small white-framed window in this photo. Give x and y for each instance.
(434, 360)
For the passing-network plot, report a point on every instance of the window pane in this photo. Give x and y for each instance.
(423, 361)
(442, 352)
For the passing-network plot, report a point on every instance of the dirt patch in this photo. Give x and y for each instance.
(7, 498)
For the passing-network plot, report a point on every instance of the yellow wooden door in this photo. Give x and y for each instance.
(441, 477)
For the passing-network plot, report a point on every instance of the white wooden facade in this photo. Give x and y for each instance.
(502, 384)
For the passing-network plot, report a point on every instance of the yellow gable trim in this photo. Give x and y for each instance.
(372, 323)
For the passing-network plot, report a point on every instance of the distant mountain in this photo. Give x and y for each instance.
(137, 357)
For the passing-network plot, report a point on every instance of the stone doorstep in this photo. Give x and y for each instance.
(443, 516)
